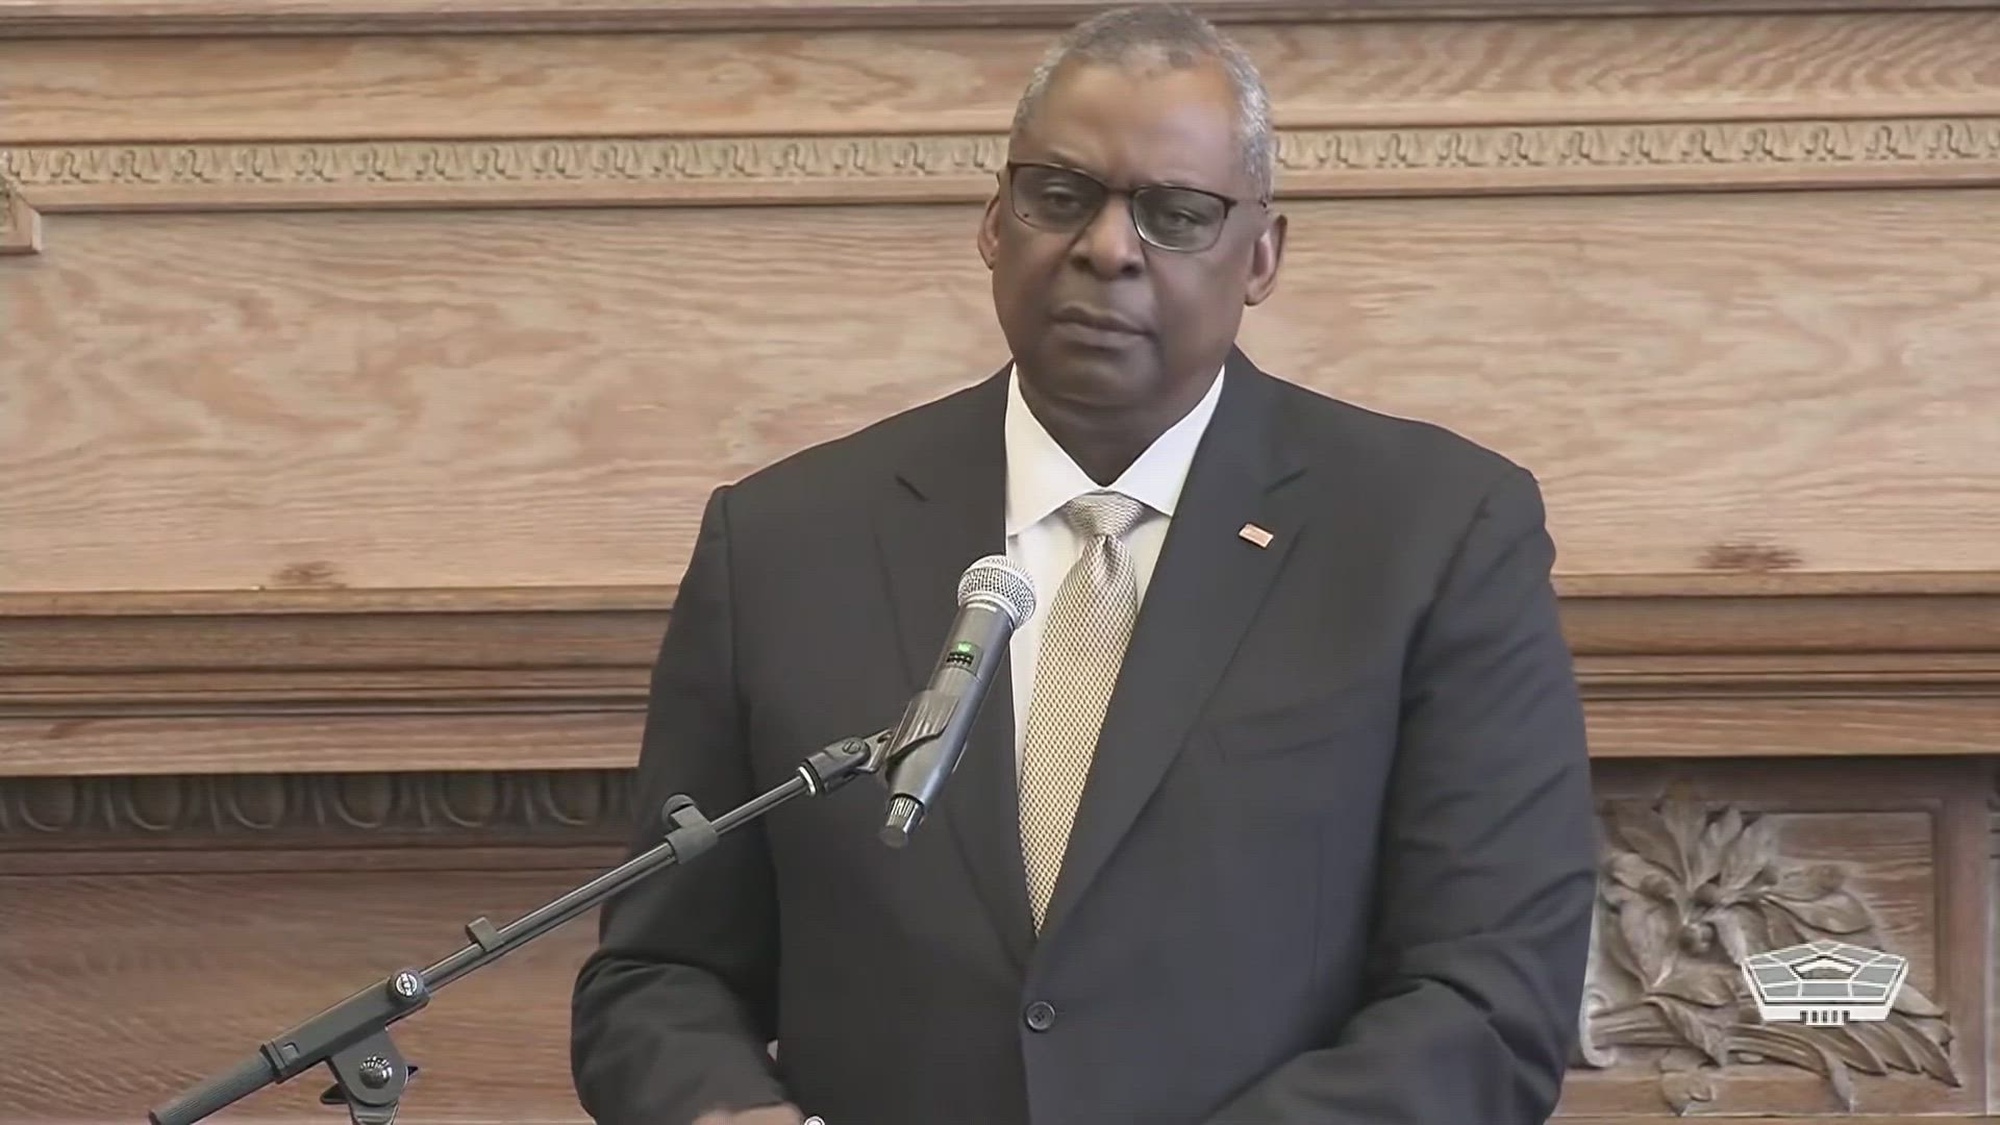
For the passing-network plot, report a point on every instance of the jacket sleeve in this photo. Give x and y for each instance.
(671, 1013)
(1487, 881)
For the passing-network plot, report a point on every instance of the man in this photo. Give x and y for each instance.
(1308, 839)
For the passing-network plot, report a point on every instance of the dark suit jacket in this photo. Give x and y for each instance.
(1334, 862)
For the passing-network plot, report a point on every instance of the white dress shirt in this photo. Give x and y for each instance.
(1042, 477)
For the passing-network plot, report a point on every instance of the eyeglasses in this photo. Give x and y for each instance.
(1184, 220)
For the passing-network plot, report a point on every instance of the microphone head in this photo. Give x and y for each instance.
(999, 581)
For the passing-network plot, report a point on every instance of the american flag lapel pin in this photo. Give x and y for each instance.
(1255, 534)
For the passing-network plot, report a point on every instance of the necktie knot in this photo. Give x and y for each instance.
(1096, 514)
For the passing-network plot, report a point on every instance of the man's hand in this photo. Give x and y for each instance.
(762, 1115)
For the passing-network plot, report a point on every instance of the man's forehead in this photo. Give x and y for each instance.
(1120, 120)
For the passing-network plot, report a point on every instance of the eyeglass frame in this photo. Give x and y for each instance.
(1229, 203)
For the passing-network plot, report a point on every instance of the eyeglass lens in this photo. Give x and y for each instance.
(1171, 218)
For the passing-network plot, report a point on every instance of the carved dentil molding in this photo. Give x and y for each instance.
(489, 806)
(1688, 891)
(960, 167)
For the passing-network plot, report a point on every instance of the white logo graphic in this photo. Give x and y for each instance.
(1824, 983)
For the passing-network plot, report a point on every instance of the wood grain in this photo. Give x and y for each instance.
(410, 862)
(520, 399)
(123, 990)
(1834, 617)
(255, 741)
(1727, 344)
(1320, 75)
(1793, 728)
(534, 370)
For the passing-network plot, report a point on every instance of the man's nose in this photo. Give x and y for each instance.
(1110, 245)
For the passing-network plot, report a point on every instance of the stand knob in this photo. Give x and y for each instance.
(375, 1072)
(407, 987)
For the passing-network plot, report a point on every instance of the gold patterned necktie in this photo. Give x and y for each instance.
(1083, 644)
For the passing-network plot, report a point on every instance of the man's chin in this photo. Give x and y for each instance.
(1093, 380)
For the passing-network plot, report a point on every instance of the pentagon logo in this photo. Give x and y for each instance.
(1824, 983)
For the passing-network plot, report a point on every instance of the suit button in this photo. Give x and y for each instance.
(1040, 1016)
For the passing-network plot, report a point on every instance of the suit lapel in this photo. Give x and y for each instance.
(945, 508)
(1206, 587)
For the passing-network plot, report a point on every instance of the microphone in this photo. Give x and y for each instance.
(995, 596)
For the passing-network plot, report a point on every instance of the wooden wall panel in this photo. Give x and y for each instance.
(159, 928)
(361, 378)
(1700, 382)
(544, 398)
(469, 400)
(124, 988)
(261, 900)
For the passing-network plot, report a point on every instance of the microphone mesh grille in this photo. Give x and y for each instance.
(1001, 578)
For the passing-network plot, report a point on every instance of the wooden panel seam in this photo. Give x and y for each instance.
(46, 18)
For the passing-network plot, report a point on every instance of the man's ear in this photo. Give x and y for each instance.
(989, 231)
(1266, 255)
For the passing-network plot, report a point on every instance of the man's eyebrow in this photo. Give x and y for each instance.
(1060, 158)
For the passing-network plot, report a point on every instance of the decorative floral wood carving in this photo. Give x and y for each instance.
(1687, 893)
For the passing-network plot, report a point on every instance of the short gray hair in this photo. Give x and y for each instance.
(1173, 36)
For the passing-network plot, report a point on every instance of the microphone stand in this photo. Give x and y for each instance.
(352, 1037)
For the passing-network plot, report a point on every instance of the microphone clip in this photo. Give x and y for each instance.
(843, 761)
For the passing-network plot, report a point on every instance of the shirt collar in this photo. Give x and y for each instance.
(1042, 477)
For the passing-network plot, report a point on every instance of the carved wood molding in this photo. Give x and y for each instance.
(1318, 163)
(22, 18)
(475, 808)
(551, 679)
(1685, 634)
(20, 224)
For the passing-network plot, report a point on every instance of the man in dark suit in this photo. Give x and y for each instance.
(1307, 838)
